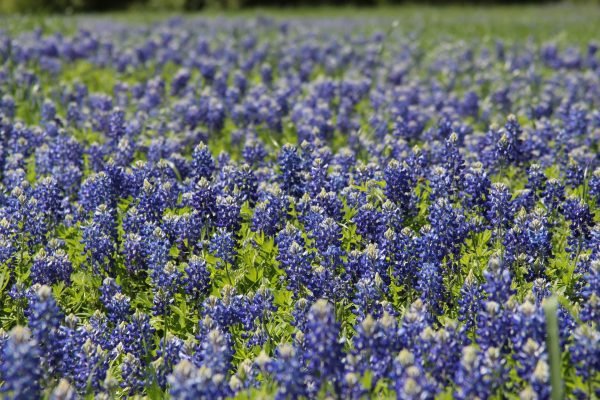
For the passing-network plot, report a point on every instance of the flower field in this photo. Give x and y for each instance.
(297, 207)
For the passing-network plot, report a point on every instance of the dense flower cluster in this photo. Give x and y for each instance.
(295, 209)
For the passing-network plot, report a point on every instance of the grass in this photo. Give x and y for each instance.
(557, 22)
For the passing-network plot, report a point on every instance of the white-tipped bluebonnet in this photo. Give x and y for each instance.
(203, 164)
(99, 238)
(287, 370)
(133, 374)
(375, 343)
(44, 320)
(431, 286)
(400, 183)
(409, 379)
(590, 294)
(188, 382)
(290, 165)
(48, 269)
(323, 348)
(581, 219)
(481, 373)
(413, 322)
(64, 391)
(553, 195)
(118, 306)
(585, 353)
(197, 280)
(20, 368)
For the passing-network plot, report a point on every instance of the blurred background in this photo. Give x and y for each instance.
(71, 6)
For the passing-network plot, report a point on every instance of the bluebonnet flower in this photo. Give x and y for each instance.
(47, 193)
(203, 164)
(99, 238)
(254, 152)
(323, 348)
(580, 218)
(136, 335)
(270, 214)
(230, 310)
(527, 322)
(540, 380)
(299, 313)
(197, 279)
(203, 199)
(19, 366)
(400, 247)
(296, 262)
(184, 229)
(476, 186)
(584, 352)
(574, 174)
(440, 352)
(590, 294)
(369, 223)
(169, 353)
(132, 374)
(450, 225)
(481, 373)
(223, 245)
(133, 252)
(414, 321)
(188, 382)
(290, 165)
(330, 203)
(116, 125)
(400, 183)
(470, 302)
(509, 146)
(97, 189)
(409, 379)
(553, 195)
(453, 162)
(118, 306)
(48, 269)
(228, 213)
(262, 308)
(156, 248)
(499, 209)
(370, 292)
(528, 244)
(246, 377)
(166, 283)
(428, 247)
(375, 343)
(45, 318)
(214, 351)
(287, 370)
(63, 391)
(180, 80)
(155, 198)
(430, 284)
(440, 183)
(594, 185)
(97, 329)
(327, 235)
(527, 356)
(48, 112)
(90, 364)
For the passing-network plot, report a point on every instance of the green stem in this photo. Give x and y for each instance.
(552, 341)
(228, 276)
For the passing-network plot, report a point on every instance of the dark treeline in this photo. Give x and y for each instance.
(61, 6)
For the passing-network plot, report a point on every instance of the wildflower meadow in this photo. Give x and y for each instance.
(358, 206)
